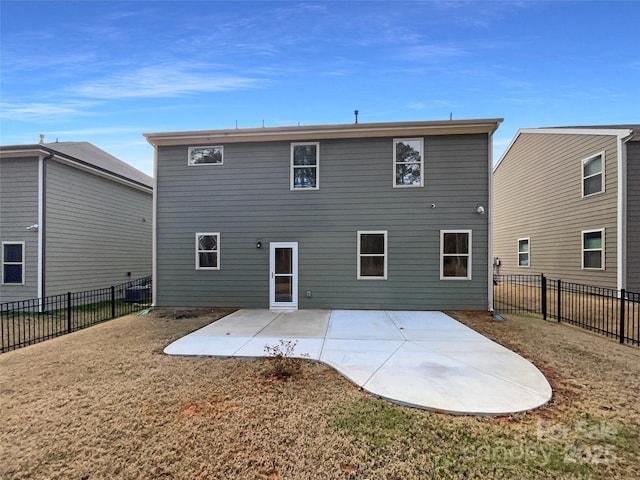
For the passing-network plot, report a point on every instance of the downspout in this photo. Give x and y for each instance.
(490, 228)
(621, 266)
(42, 227)
(154, 237)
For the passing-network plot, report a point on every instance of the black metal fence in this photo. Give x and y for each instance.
(27, 322)
(611, 312)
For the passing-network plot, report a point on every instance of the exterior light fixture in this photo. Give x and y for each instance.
(480, 210)
(258, 244)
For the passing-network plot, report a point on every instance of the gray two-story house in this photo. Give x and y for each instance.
(567, 204)
(353, 216)
(72, 218)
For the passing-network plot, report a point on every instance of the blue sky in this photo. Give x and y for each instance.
(106, 71)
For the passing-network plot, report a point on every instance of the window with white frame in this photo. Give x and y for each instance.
(593, 175)
(455, 254)
(523, 252)
(207, 251)
(305, 166)
(13, 263)
(593, 249)
(211, 155)
(408, 162)
(372, 255)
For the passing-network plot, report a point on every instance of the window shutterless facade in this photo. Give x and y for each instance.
(593, 175)
(523, 252)
(305, 166)
(455, 254)
(408, 162)
(593, 249)
(372, 255)
(211, 155)
(208, 251)
(13, 263)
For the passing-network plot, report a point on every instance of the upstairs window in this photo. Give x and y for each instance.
(593, 175)
(523, 252)
(372, 255)
(408, 162)
(207, 251)
(455, 254)
(205, 155)
(593, 249)
(13, 263)
(305, 165)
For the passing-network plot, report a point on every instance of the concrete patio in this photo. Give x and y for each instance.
(416, 358)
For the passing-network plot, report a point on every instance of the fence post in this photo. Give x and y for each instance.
(113, 302)
(543, 294)
(559, 300)
(68, 312)
(623, 294)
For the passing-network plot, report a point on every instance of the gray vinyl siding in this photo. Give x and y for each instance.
(538, 194)
(249, 199)
(633, 216)
(96, 231)
(19, 209)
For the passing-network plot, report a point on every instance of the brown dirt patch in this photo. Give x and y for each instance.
(105, 402)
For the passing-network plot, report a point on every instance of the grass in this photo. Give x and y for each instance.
(25, 327)
(105, 402)
(596, 312)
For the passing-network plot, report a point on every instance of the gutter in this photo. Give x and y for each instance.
(42, 223)
(324, 132)
(28, 150)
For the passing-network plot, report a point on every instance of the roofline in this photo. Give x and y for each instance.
(319, 132)
(38, 150)
(624, 134)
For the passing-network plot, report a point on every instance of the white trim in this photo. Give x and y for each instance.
(528, 252)
(602, 250)
(384, 254)
(621, 231)
(490, 227)
(293, 305)
(395, 163)
(469, 255)
(583, 162)
(216, 250)
(621, 132)
(41, 226)
(154, 231)
(292, 167)
(22, 263)
(208, 164)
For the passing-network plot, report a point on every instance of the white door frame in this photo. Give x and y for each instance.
(293, 305)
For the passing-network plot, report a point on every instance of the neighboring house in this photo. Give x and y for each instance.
(567, 204)
(357, 216)
(72, 218)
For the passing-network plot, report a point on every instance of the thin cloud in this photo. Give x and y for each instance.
(41, 111)
(433, 52)
(97, 131)
(162, 81)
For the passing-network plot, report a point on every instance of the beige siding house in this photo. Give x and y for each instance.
(566, 203)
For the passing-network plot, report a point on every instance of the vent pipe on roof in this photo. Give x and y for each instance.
(41, 138)
(356, 112)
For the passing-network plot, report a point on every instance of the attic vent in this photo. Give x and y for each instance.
(41, 138)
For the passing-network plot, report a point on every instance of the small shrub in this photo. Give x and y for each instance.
(281, 361)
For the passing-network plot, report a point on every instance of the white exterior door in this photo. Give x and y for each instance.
(283, 283)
